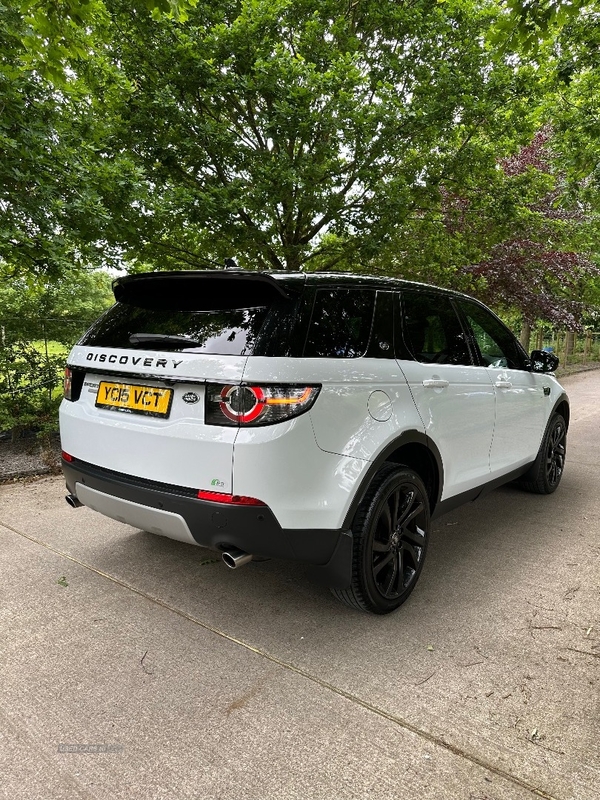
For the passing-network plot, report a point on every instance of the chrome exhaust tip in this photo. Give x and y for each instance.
(73, 501)
(235, 558)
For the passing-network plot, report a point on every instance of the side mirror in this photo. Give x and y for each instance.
(542, 361)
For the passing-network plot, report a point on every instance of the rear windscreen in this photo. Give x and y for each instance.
(192, 312)
(230, 332)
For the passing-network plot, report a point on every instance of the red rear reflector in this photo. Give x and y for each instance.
(66, 456)
(230, 499)
(67, 383)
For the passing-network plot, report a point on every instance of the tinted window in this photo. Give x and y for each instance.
(340, 324)
(497, 345)
(382, 335)
(432, 331)
(229, 332)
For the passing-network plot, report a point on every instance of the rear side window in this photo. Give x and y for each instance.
(341, 322)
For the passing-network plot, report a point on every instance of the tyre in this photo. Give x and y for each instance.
(545, 475)
(390, 532)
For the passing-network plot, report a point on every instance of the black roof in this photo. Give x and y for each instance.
(252, 285)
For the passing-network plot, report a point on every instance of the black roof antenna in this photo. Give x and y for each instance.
(230, 264)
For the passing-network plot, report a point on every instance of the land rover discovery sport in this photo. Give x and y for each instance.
(324, 419)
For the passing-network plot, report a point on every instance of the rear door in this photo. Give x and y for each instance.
(454, 397)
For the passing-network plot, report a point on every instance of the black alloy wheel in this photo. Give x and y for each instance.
(556, 450)
(547, 471)
(391, 531)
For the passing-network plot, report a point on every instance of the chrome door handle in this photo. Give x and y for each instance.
(503, 385)
(435, 383)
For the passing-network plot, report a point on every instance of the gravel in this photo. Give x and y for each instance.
(28, 456)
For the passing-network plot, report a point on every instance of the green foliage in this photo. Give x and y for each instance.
(573, 104)
(39, 322)
(57, 33)
(28, 388)
(49, 308)
(50, 211)
(531, 24)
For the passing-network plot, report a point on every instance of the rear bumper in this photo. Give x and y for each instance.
(175, 511)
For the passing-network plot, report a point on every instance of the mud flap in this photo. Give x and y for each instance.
(337, 572)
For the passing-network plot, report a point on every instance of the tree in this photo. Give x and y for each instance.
(55, 308)
(56, 33)
(50, 210)
(518, 241)
(532, 24)
(545, 269)
(573, 104)
(298, 134)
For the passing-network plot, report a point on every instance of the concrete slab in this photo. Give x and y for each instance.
(160, 707)
(491, 668)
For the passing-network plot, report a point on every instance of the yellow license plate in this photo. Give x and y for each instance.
(133, 398)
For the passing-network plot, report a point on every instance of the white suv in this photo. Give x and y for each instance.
(318, 418)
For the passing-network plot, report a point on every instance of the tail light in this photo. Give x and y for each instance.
(67, 383)
(244, 405)
(73, 383)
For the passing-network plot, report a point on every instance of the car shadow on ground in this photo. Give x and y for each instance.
(477, 555)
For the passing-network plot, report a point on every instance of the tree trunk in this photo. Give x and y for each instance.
(539, 339)
(525, 335)
(569, 344)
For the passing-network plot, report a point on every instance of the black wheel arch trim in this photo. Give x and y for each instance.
(562, 400)
(530, 473)
(406, 438)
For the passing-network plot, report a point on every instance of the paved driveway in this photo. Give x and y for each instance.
(197, 682)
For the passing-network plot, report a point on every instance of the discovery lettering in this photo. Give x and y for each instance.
(112, 358)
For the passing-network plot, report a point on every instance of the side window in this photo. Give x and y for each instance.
(432, 331)
(497, 345)
(341, 323)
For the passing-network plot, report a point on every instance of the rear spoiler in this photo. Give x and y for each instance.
(213, 290)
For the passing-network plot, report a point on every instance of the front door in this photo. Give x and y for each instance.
(520, 406)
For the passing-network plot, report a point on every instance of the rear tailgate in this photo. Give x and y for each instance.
(153, 427)
(145, 364)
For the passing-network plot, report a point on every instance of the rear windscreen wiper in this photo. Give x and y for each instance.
(171, 340)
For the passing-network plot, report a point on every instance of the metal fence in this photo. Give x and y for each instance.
(571, 348)
(32, 358)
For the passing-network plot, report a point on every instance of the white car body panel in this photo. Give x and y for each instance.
(179, 450)
(458, 412)
(363, 405)
(303, 486)
(522, 411)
